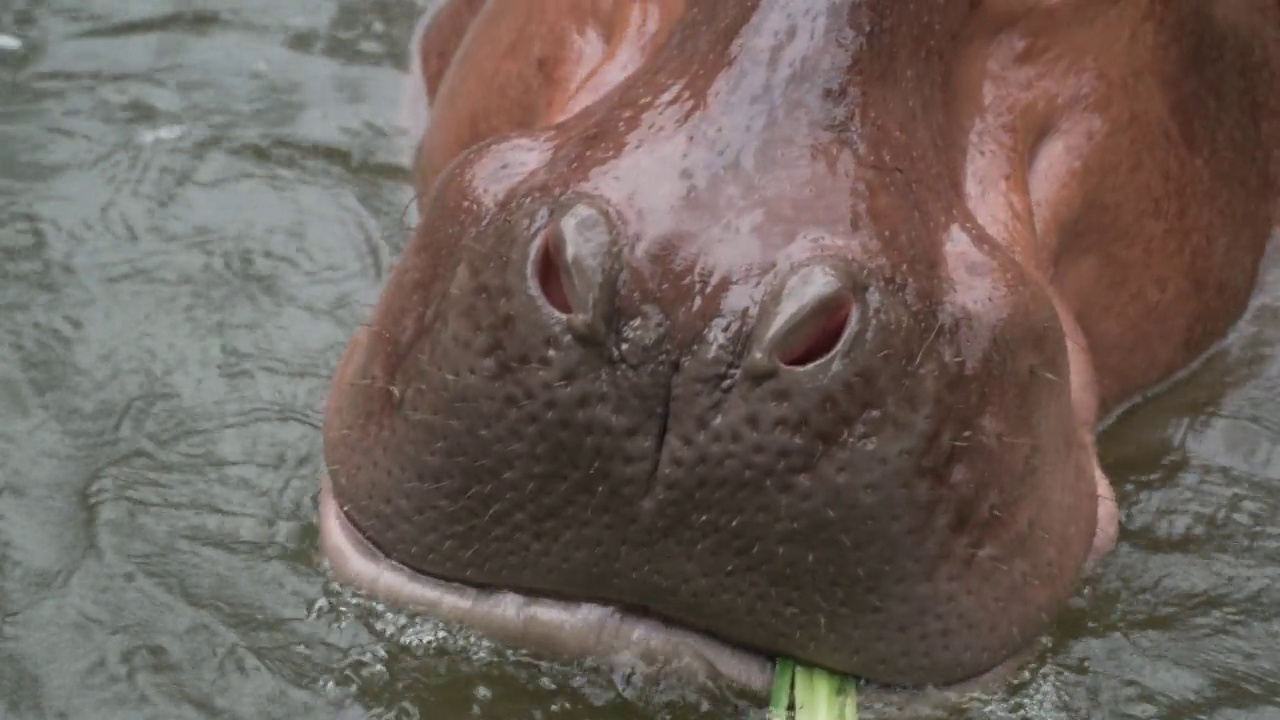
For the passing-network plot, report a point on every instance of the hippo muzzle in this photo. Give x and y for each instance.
(577, 433)
(745, 329)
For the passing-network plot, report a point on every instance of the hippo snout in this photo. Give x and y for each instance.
(853, 466)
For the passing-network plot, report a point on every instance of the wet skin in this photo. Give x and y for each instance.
(743, 329)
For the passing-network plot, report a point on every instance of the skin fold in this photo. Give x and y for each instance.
(740, 329)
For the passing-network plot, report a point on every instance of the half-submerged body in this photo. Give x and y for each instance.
(735, 330)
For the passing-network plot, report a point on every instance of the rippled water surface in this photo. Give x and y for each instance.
(197, 203)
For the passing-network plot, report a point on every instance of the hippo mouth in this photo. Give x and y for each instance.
(560, 627)
(642, 647)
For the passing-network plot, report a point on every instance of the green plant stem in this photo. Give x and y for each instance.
(815, 693)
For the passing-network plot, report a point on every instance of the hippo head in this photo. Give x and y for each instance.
(719, 369)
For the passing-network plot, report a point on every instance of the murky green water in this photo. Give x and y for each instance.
(195, 209)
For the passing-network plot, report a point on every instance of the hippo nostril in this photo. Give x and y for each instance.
(575, 268)
(816, 335)
(804, 321)
(550, 264)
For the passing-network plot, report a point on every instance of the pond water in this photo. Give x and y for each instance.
(198, 202)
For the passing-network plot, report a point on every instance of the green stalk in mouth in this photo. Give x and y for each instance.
(815, 693)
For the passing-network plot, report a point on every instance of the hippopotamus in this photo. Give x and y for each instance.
(735, 330)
